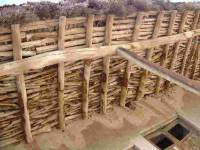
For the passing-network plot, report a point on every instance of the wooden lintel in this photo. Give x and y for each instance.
(55, 57)
(61, 72)
(87, 68)
(171, 76)
(21, 88)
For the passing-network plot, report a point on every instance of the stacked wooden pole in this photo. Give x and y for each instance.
(22, 95)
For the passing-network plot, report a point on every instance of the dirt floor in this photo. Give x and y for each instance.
(117, 129)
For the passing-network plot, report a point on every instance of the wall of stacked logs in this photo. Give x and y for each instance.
(37, 100)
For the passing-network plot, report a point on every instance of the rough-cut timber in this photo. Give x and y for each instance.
(21, 88)
(106, 63)
(61, 72)
(87, 67)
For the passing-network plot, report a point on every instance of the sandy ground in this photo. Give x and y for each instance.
(117, 129)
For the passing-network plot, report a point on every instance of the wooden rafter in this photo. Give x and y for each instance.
(21, 87)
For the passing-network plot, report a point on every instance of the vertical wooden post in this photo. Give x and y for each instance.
(184, 68)
(149, 56)
(166, 50)
(87, 67)
(127, 74)
(21, 88)
(106, 64)
(176, 50)
(61, 72)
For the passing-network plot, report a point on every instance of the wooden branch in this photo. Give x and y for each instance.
(149, 56)
(87, 67)
(185, 63)
(61, 72)
(21, 88)
(166, 50)
(106, 64)
(55, 57)
(160, 71)
(124, 90)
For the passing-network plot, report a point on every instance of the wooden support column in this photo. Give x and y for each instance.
(106, 64)
(176, 50)
(21, 87)
(166, 50)
(127, 74)
(61, 72)
(149, 57)
(189, 44)
(87, 67)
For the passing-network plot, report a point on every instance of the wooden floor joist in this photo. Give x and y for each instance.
(166, 50)
(21, 88)
(106, 64)
(124, 91)
(61, 72)
(87, 68)
(167, 74)
(149, 55)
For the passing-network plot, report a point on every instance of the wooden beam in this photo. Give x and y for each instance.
(87, 67)
(166, 50)
(61, 72)
(174, 77)
(55, 57)
(21, 88)
(124, 90)
(106, 64)
(186, 54)
(149, 57)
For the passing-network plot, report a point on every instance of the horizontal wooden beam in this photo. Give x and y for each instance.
(55, 57)
(176, 78)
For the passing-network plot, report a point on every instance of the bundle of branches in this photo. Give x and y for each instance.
(28, 12)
